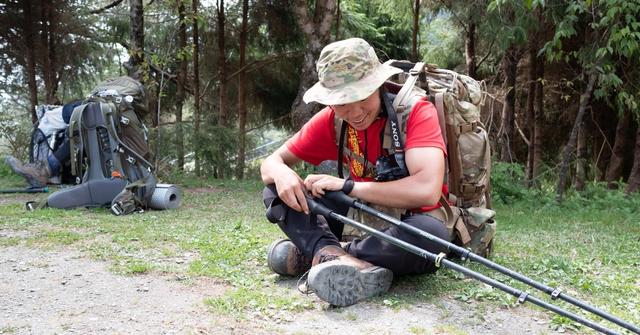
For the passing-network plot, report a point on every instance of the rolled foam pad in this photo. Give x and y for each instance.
(166, 196)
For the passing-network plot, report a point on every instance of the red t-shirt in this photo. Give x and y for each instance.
(316, 141)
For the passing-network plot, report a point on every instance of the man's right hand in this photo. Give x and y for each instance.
(275, 169)
(291, 190)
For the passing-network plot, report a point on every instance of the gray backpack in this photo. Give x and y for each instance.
(110, 153)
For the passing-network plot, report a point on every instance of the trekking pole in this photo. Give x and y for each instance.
(440, 260)
(26, 190)
(340, 197)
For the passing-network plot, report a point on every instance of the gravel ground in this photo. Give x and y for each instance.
(63, 292)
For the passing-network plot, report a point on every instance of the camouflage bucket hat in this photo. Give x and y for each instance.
(349, 71)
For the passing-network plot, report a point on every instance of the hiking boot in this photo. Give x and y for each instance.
(36, 174)
(284, 258)
(342, 280)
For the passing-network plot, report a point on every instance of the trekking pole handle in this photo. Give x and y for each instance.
(317, 208)
(339, 197)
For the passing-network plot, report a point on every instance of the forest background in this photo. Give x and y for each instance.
(225, 79)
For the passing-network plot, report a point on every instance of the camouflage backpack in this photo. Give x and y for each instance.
(457, 98)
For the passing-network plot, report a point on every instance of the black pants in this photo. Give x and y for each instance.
(311, 233)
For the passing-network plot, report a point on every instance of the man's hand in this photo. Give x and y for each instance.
(317, 184)
(275, 169)
(291, 190)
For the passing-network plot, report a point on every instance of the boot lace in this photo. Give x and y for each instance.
(303, 284)
(303, 281)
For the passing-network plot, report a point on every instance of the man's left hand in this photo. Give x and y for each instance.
(317, 184)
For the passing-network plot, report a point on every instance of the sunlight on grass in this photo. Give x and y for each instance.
(243, 299)
(134, 267)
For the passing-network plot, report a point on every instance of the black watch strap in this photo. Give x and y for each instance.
(348, 185)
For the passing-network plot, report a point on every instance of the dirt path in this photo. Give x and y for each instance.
(63, 292)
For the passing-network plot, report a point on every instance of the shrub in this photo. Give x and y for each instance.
(507, 182)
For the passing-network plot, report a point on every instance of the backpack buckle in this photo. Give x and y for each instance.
(131, 160)
(124, 120)
(116, 209)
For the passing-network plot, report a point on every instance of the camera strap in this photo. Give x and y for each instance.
(359, 166)
(343, 131)
(396, 139)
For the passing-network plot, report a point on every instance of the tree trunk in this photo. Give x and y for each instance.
(571, 145)
(136, 37)
(317, 31)
(47, 41)
(470, 49)
(181, 78)
(30, 62)
(155, 100)
(242, 108)
(581, 162)
(538, 118)
(222, 83)
(634, 176)
(620, 146)
(416, 29)
(338, 13)
(196, 82)
(510, 65)
(222, 97)
(54, 80)
(530, 108)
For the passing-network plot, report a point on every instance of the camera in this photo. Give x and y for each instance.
(387, 169)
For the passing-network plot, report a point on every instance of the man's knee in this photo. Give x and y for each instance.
(269, 194)
(276, 209)
(429, 225)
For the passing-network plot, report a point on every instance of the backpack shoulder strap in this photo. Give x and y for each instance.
(405, 98)
(75, 133)
(439, 103)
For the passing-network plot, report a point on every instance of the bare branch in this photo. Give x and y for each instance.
(524, 137)
(255, 65)
(158, 70)
(268, 122)
(109, 6)
(487, 55)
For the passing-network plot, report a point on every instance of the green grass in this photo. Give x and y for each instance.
(590, 247)
(8, 330)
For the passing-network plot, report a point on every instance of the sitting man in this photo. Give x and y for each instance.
(43, 172)
(351, 84)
